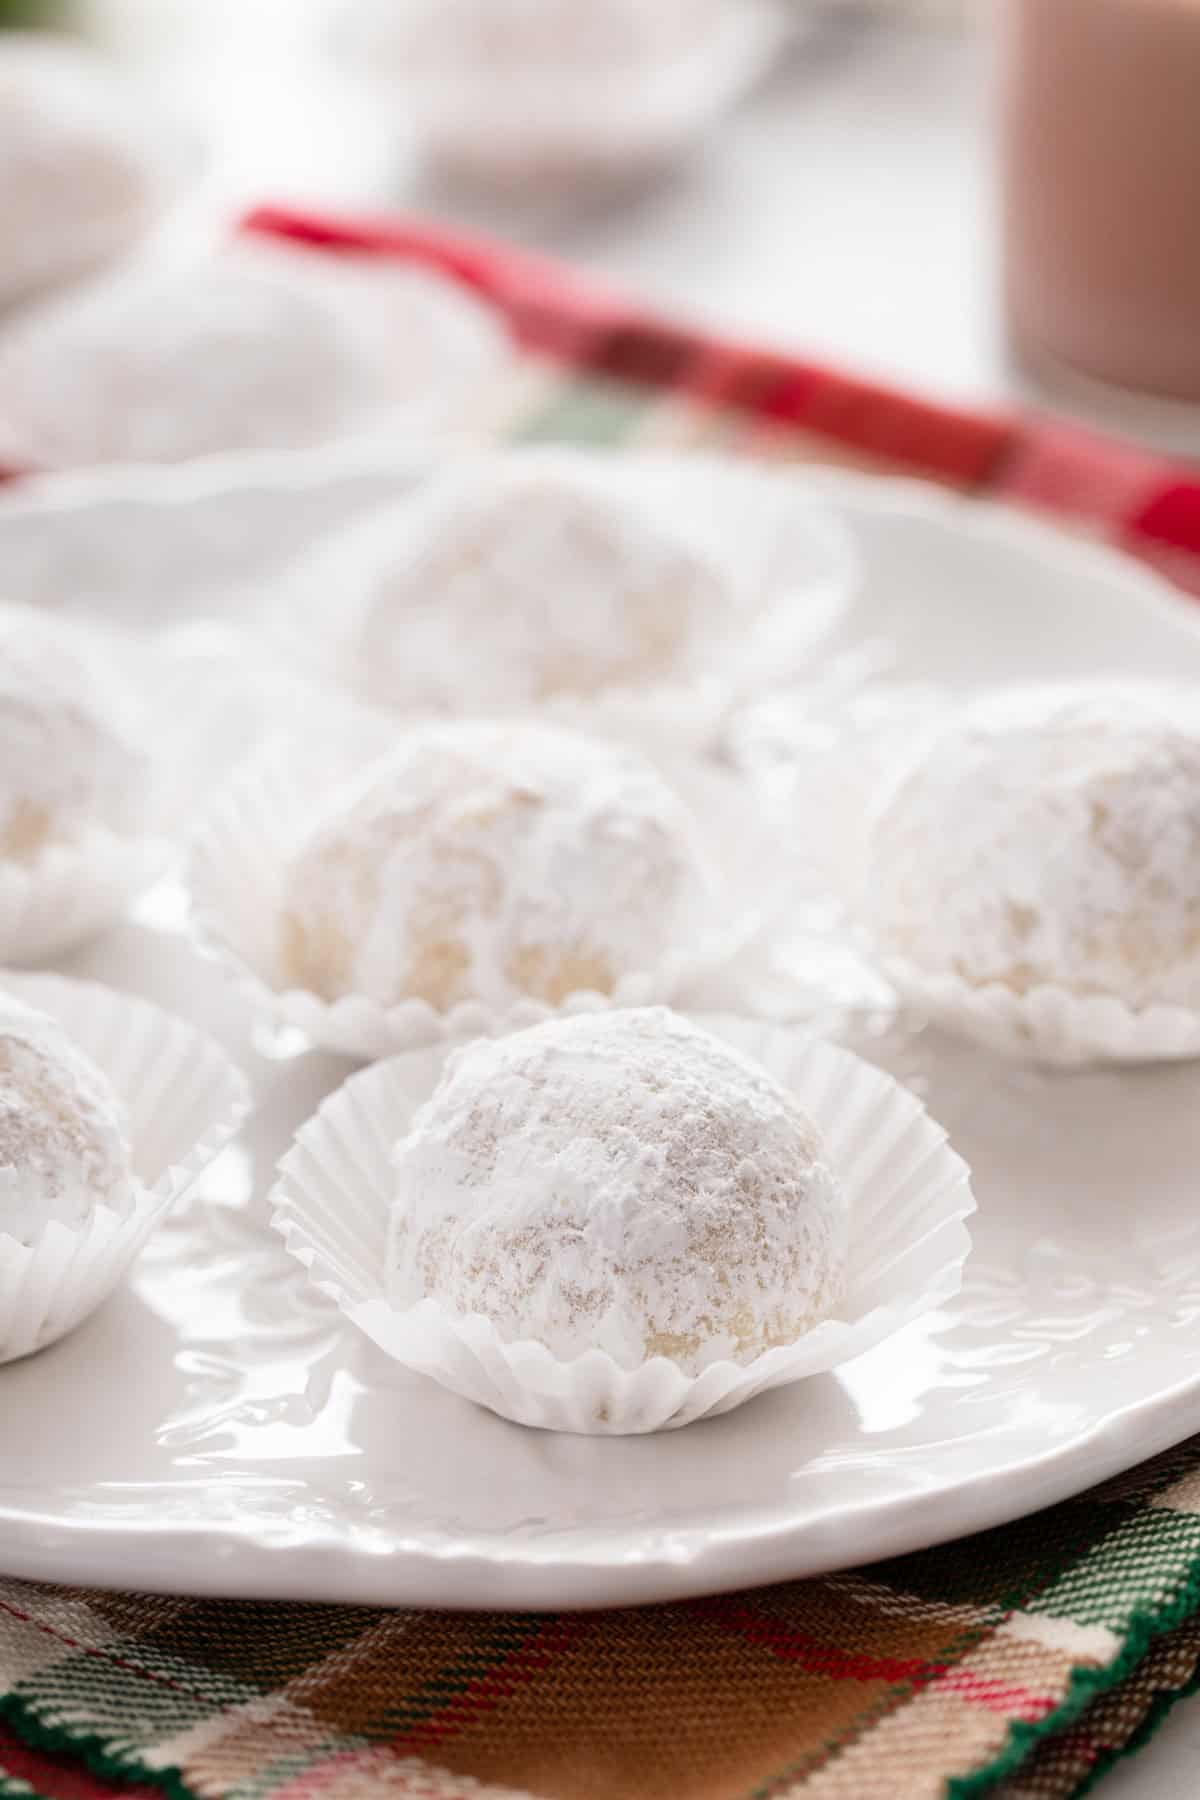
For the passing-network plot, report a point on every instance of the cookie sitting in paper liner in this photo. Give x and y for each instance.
(382, 888)
(622, 1222)
(528, 98)
(1034, 879)
(110, 739)
(78, 815)
(249, 349)
(559, 578)
(109, 1110)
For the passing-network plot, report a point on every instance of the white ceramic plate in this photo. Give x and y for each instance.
(156, 547)
(217, 1429)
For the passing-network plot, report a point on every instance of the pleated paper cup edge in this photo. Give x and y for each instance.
(1049, 1023)
(116, 1236)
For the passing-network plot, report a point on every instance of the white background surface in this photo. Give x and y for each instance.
(845, 213)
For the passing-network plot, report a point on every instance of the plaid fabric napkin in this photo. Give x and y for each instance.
(1021, 1663)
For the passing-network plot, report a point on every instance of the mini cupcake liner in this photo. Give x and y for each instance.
(790, 561)
(70, 892)
(1049, 1024)
(821, 755)
(216, 701)
(909, 1195)
(529, 138)
(184, 1100)
(263, 812)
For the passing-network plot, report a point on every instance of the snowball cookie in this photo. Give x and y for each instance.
(1051, 836)
(620, 1181)
(69, 762)
(554, 583)
(64, 1145)
(491, 863)
(491, 38)
(257, 348)
(78, 177)
(519, 95)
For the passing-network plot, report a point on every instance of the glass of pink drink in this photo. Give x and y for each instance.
(1101, 187)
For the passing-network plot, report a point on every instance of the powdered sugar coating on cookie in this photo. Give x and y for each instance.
(620, 1181)
(69, 761)
(524, 579)
(254, 349)
(489, 863)
(1051, 837)
(64, 1145)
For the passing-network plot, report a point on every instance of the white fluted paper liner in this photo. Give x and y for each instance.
(909, 1195)
(791, 566)
(71, 891)
(260, 817)
(826, 751)
(184, 1101)
(535, 136)
(1047, 1023)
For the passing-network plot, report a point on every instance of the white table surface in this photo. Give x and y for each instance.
(846, 212)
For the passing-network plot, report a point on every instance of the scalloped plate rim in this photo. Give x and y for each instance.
(589, 1566)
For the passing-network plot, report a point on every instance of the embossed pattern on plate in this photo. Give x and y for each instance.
(216, 1428)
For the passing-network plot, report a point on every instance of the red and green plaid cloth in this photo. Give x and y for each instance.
(1020, 1663)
